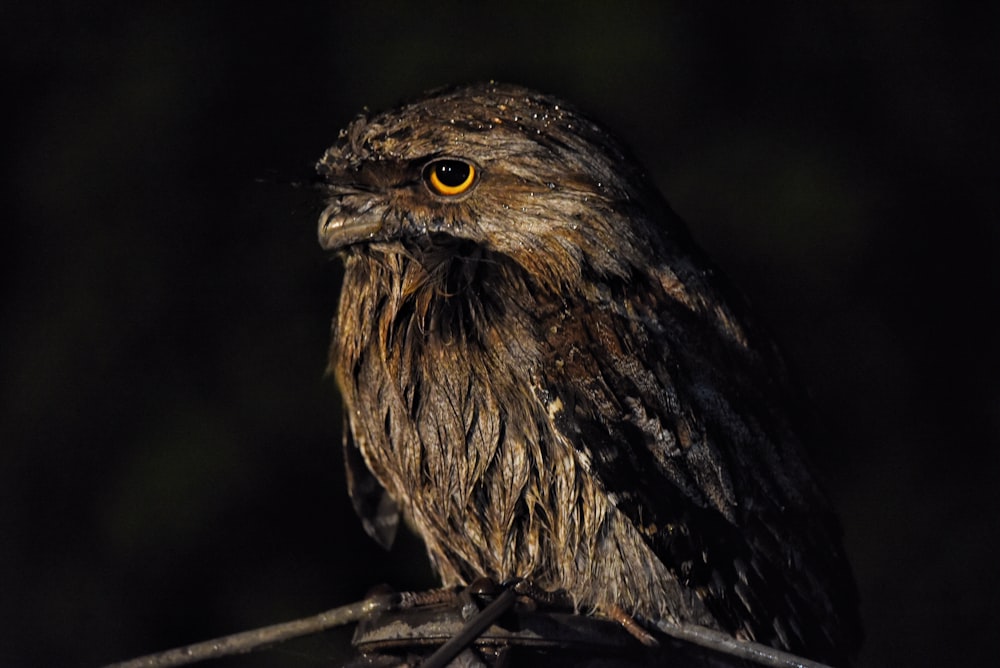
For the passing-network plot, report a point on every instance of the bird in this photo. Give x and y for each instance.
(546, 378)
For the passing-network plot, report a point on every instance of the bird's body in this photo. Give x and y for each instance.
(545, 377)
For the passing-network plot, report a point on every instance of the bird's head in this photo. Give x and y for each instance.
(503, 168)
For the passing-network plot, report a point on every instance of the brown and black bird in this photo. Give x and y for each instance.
(549, 380)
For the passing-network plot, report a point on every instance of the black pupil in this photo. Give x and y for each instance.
(452, 173)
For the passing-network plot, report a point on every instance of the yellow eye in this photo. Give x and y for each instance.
(449, 177)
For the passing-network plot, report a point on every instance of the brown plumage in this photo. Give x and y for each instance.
(544, 375)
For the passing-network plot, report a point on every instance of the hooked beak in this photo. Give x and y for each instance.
(341, 226)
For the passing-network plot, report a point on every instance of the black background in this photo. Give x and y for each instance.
(169, 463)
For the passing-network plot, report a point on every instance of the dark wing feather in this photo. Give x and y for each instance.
(378, 512)
(677, 415)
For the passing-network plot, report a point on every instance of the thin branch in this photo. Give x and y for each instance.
(247, 641)
(719, 641)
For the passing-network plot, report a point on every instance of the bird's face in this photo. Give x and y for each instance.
(510, 171)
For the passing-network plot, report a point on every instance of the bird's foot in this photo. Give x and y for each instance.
(618, 614)
(405, 600)
(531, 595)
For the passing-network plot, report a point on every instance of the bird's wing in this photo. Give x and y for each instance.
(378, 512)
(678, 421)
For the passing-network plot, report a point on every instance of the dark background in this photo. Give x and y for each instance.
(169, 446)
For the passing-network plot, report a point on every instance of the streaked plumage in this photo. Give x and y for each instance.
(548, 379)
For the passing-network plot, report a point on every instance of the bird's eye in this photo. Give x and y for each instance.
(449, 177)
